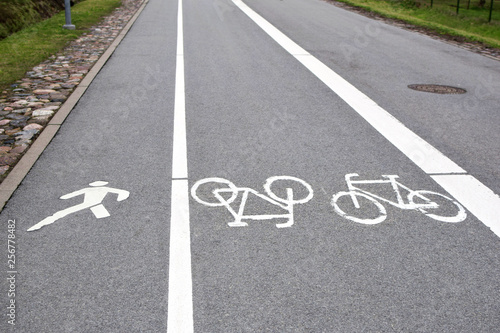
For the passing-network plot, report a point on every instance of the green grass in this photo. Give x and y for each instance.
(18, 14)
(23, 50)
(471, 24)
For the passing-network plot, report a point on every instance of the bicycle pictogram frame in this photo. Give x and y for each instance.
(425, 205)
(238, 214)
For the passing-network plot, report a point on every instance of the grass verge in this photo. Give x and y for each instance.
(23, 50)
(471, 24)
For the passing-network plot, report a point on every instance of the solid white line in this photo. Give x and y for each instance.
(180, 286)
(425, 156)
(179, 163)
(477, 198)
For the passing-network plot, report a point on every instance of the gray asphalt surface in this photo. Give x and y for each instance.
(254, 112)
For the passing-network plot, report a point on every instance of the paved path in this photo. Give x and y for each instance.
(202, 182)
(31, 102)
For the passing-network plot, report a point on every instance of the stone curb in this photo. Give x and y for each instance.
(16, 176)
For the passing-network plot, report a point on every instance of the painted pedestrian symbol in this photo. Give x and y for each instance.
(93, 197)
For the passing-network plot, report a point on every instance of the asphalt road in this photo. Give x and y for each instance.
(275, 244)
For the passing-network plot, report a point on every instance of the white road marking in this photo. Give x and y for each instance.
(417, 200)
(227, 187)
(92, 199)
(425, 156)
(180, 286)
(477, 198)
(179, 164)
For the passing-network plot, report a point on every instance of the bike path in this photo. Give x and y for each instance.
(252, 112)
(325, 273)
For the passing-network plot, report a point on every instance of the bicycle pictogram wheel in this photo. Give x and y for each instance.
(209, 191)
(301, 187)
(382, 213)
(440, 205)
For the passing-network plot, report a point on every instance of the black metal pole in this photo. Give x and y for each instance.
(458, 5)
(432, 1)
(67, 13)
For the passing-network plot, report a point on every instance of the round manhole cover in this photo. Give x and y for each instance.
(437, 89)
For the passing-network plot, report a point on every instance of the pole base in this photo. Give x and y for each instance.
(69, 26)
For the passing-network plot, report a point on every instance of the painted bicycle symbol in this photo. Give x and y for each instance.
(220, 192)
(435, 205)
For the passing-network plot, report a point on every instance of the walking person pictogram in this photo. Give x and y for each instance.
(93, 197)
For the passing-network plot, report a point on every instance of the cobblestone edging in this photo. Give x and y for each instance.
(31, 102)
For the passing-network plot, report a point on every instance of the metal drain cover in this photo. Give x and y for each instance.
(437, 89)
